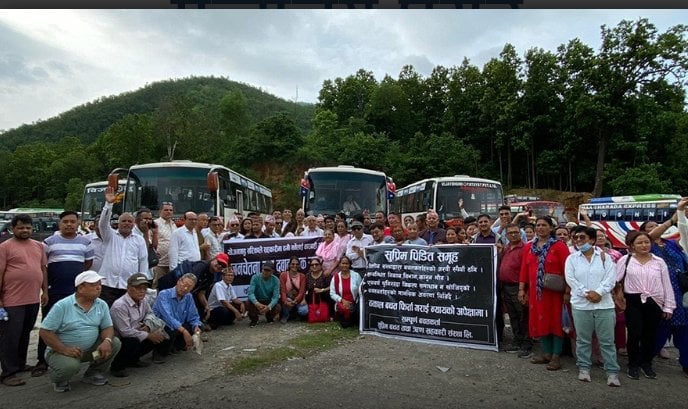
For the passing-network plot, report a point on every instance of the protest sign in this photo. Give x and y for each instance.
(440, 294)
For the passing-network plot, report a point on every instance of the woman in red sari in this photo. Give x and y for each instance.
(545, 254)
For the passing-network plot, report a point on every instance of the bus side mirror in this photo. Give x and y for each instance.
(213, 182)
(113, 182)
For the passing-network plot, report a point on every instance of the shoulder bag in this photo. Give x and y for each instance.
(618, 291)
(554, 282)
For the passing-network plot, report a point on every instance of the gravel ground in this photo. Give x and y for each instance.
(366, 372)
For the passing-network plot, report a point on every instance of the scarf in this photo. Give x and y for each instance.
(541, 254)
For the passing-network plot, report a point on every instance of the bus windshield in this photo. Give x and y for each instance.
(94, 199)
(185, 187)
(477, 198)
(330, 190)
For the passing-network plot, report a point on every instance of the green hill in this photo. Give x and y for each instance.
(86, 122)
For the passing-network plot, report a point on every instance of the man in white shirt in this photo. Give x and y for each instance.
(355, 246)
(166, 227)
(312, 229)
(184, 243)
(125, 253)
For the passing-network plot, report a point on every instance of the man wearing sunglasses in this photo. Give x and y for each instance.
(166, 227)
(355, 246)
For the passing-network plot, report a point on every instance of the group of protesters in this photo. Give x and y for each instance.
(116, 294)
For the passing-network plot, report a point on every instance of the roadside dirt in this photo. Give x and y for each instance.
(365, 372)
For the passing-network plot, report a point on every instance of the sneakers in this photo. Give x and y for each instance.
(119, 373)
(613, 380)
(253, 324)
(633, 373)
(525, 354)
(648, 372)
(95, 379)
(283, 321)
(60, 387)
(584, 375)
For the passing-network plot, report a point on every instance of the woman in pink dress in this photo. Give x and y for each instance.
(328, 251)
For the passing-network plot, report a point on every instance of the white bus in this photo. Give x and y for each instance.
(93, 199)
(345, 189)
(192, 186)
(444, 193)
(617, 215)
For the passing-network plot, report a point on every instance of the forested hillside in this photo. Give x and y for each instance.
(606, 121)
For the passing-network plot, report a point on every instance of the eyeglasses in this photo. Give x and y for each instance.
(356, 228)
(580, 237)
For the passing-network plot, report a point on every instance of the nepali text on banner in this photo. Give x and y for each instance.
(439, 294)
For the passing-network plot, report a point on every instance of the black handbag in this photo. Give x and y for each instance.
(152, 257)
(554, 282)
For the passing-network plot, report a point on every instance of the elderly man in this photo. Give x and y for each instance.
(69, 254)
(263, 294)
(166, 227)
(312, 229)
(129, 315)
(205, 273)
(184, 244)
(79, 329)
(433, 234)
(125, 253)
(175, 306)
(22, 279)
(146, 228)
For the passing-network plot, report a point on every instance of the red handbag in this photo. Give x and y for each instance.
(318, 312)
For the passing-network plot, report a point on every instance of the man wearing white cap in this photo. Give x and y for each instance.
(79, 329)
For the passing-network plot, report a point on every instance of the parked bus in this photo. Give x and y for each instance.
(444, 193)
(617, 215)
(93, 200)
(192, 186)
(537, 208)
(347, 189)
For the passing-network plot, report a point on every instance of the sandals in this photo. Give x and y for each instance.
(39, 370)
(554, 364)
(13, 381)
(540, 359)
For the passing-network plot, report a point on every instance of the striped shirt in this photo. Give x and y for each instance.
(649, 280)
(66, 257)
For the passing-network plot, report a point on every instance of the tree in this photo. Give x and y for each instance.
(633, 55)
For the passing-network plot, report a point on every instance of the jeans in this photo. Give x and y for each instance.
(299, 309)
(64, 367)
(600, 322)
(269, 316)
(14, 338)
(221, 316)
(52, 300)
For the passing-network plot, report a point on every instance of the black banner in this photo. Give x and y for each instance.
(246, 256)
(439, 294)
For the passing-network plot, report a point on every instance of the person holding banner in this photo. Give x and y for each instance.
(545, 255)
(344, 291)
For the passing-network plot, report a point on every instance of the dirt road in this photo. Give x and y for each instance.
(365, 372)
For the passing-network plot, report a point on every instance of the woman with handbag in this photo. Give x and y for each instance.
(328, 251)
(293, 291)
(543, 288)
(591, 275)
(344, 290)
(318, 292)
(649, 299)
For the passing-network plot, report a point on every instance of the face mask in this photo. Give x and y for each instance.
(585, 247)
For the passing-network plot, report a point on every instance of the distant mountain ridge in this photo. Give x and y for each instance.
(89, 120)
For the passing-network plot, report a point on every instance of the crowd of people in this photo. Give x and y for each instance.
(152, 286)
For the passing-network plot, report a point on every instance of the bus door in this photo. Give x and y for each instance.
(240, 202)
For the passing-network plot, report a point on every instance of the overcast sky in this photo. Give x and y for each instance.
(54, 60)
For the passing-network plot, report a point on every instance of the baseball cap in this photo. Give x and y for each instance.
(270, 265)
(356, 224)
(137, 279)
(88, 276)
(223, 259)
